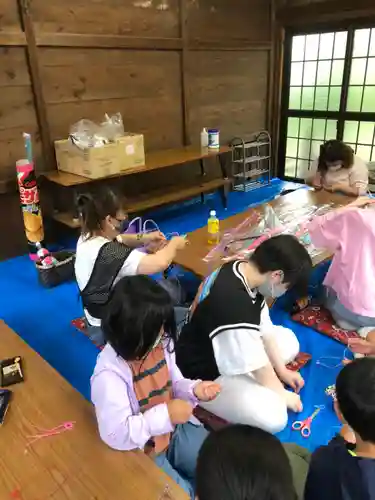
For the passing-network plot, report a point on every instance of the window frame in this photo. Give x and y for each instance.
(342, 115)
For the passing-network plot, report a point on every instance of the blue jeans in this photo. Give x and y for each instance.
(346, 319)
(95, 334)
(179, 461)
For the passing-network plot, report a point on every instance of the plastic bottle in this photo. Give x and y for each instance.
(204, 138)
(213, 228)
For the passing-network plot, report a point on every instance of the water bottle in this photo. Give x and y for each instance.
(213, 228)
(204, 139)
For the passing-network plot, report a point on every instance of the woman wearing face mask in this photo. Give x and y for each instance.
(339, 170)
(229, 335)
(104, 255)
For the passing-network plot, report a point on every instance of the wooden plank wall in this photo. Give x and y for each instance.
(170, 67)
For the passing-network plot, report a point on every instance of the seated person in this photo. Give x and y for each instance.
(339, 170)
(104, 255)
(345, 468)
(141, 399)
(243, 463)
(229, 335)
(349, 232)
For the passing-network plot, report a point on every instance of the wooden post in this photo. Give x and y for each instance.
(36, 83)
(184, 76)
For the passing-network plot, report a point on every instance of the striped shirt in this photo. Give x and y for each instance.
(153, 386)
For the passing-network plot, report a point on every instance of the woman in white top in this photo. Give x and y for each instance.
(104, 255)
(339, 170)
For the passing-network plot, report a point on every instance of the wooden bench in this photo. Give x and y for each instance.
(75, 464)
(158, 160)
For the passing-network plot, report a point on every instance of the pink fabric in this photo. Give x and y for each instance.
(350, 234)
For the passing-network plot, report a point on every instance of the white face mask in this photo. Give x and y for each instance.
(334, 168)
(269, 289)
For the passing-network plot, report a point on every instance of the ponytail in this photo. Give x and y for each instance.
(93, 209)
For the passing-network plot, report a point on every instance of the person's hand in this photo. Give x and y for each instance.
(292, 379)
(207, 391)
(154, 236)
(331, 188)
(180, 242)
(317, 182)
(180, 411)
(361, 346)
(293, 401)
(362, 201)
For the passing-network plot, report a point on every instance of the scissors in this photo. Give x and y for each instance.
(305, 425)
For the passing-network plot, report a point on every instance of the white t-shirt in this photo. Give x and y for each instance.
(87, 252)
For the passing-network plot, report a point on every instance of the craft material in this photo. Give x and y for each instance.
(322, 360)
(262, 224)
(45, 433)
(29, 198)
(331, 392)
(204, 139)
(213, 138)
(5, 397)
(11, 371)
(166, 493)
(305, 425)
(213, 228)
(46, 259)
(320, 319)
(299, 362)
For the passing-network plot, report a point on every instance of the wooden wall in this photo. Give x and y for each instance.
(309, 12)
(170, 67)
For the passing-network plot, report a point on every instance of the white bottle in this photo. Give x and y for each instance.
(204, 138)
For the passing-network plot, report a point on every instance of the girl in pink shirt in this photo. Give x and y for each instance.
(339, 170)
(349, 232)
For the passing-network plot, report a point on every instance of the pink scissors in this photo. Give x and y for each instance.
(305, 425)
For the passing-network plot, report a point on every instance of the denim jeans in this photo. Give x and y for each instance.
(95, 334)
(344, 318)
(179, 461)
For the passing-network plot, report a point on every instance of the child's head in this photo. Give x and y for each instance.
(334, 155)
(139, 314)
(355, 392)
(284, 263)
(101, 213)
(243, 463)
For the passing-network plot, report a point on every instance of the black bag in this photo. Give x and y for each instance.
(55, 274)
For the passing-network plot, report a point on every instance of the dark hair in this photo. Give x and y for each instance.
(94, 208)
(334, 151)
(137, 310)
(243, 463)
(355, 390)
(285, 253)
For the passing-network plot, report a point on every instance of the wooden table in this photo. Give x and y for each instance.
(75, 465)
(191, 258)
(157, 160)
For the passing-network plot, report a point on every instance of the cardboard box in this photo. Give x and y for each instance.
(96, 163)
(133, 149)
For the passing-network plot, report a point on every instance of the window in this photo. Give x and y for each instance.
(329, 93)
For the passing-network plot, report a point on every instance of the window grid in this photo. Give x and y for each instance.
(331, 84)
